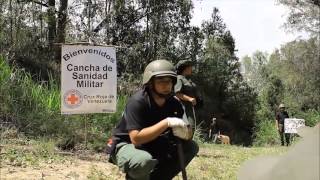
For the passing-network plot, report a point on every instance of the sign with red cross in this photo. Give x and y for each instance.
(88, 79)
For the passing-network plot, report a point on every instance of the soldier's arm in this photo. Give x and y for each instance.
(148, 134)
(187, 98)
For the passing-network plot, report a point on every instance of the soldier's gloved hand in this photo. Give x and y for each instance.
(175, 122)
(182, 132)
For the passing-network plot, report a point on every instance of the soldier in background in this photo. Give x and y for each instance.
(186, 90)
(281, 115)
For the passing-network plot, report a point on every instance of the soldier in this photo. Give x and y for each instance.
(281, 115)
(143, 144)
(186, 89)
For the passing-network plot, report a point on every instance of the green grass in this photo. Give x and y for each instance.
(221, 162)
(96, 174)
(22, 152)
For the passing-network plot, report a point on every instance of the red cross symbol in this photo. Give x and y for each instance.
(73, 99)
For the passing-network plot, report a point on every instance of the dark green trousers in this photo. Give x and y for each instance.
(140, 165)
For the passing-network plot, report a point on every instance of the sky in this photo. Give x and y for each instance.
(254, 24)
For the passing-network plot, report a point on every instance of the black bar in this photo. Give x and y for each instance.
(181, 159)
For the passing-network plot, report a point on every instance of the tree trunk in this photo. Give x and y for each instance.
(62, 21)
(51, 23)
(11, 22)
(89, 5)
(61, 28)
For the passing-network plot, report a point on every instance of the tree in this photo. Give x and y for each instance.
(300, 72)
(289, 75)
(151, 30)
(304, 15)
(142, 30)
(255, 71)
(215, 27)
(225, 91)
(51, 22)
(62, 21)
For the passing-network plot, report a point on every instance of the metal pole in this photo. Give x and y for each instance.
(181, 159)
(86, 132)
(195, 119)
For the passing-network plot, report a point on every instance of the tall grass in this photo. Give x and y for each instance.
(34, 109)
(31, 107)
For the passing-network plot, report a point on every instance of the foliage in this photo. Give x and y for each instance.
(266, 134)
(27, 104)
(304, 15)
(23, 37)
(198, 134)
(222, 85)
(290, 76)
(142, 31)
(312, 117)
(255, 70)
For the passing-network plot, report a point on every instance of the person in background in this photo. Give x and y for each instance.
(144, 143)
(186, 90)
(281, 115)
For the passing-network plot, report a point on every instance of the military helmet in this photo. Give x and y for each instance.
(182, 64)
(282, 106)
(159, 68)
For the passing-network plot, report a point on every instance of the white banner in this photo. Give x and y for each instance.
(88, 79)
(292, 124)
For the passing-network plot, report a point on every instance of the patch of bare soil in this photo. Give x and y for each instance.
(70, 168)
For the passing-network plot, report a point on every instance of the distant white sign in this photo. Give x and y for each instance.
(88, 79)
(292, 124)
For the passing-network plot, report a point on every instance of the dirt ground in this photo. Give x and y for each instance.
(74, 169)
(71, 167)
(23, 163)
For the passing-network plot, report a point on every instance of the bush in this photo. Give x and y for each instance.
(266, 134)
(311, 117)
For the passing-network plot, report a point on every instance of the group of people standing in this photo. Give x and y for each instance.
(156, 118)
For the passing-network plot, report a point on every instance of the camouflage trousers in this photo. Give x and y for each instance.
(140, 165)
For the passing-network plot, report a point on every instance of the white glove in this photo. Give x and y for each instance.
(175, 122)
(182, 132)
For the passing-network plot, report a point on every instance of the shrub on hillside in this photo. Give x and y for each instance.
(311, 117)
(266, 134)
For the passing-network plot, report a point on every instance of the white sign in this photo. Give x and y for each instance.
(88, 79)
(292, 124)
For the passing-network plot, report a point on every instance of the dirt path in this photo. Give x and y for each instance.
(70, 169)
